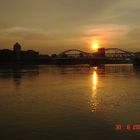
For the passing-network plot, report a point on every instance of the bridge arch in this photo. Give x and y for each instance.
(117, 49)
(116, 52)
(74, 52)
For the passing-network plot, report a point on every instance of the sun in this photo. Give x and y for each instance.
(95, 45)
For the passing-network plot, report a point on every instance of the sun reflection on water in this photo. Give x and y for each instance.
(94, 80)
(94, 102)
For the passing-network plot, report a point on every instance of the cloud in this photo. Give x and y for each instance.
(129, 41)
(123, 12)
(135, 34)
(106, 34)
(23, 33)
(37, 38)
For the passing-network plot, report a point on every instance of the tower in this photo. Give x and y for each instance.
(101, 52)
(17, 50)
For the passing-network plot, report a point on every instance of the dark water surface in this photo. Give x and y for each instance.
(69, 103)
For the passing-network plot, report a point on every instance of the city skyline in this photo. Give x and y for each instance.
(51, 26)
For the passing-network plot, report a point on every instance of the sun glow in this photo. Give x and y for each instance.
(95, 45)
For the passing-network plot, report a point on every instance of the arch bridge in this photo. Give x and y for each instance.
(112, 53)
(75, 53)
(118, 53)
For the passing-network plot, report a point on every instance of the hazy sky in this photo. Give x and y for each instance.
(56, 25)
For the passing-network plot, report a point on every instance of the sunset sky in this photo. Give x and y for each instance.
(51, 26)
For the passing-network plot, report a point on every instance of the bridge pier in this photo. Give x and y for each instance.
(97, 61)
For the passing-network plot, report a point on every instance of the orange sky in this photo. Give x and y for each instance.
(51, 26)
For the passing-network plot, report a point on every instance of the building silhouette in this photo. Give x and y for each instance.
(17, 55)
(17, 51)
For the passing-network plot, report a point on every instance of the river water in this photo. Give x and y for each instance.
(69, 102)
